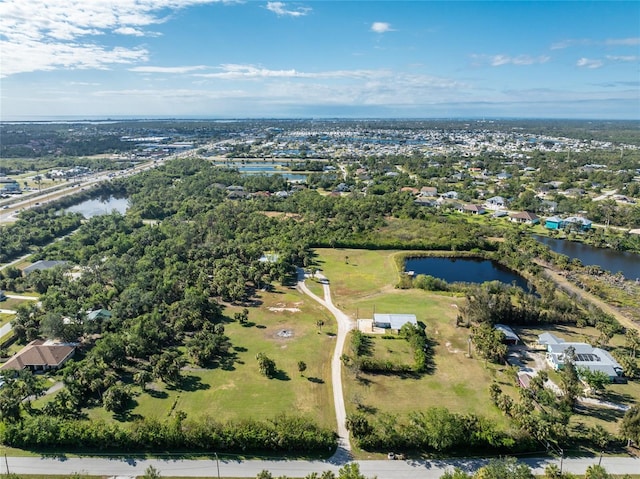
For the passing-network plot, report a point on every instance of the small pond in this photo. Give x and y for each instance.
(610, 260)
(100, 206)
(468, 270)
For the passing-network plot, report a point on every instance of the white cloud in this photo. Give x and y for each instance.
(573, 42)
(570, 43)
(381, 27)
(179, 70)
(34, 32)
(252, 72)
(499, 60)
(129, 31)
(623, 41)
(236, 72)
(623, 58)
(589, 63)
(36, 56)
(280, 9)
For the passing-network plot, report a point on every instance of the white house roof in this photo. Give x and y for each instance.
(508, 332)
(393, 321)
(578, 219)
(586, 356)
(548, 338)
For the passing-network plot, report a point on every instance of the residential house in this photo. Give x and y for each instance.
(98, 314)
(579, 222)
(495, 203)
(586, 356)
(40, 355)
(393, 321)
(472, 209)
(525, 217)
(450, 195)
(554, 223)
(431, 191)
(422, 201)
(42, 265)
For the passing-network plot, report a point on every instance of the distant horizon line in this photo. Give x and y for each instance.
(114, 118)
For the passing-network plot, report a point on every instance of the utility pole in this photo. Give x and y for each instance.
(217, 464)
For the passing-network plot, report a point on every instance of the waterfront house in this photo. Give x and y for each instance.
(554, 223)
(525, 217)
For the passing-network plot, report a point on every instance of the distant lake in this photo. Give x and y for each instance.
(269, 169)
(98, 206)
(468, 270)
(611, 260)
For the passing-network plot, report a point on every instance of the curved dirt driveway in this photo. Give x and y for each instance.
(343, 453)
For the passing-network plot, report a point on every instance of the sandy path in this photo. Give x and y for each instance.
(573, 289)
(345, 324)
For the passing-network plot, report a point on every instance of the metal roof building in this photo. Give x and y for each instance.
(393, 321)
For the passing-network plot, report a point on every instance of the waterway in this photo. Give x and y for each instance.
(611, 260)
(100, 206)
(468, 270)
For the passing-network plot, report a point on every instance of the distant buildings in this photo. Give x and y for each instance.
(9, 186)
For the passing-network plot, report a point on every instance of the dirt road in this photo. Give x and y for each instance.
(345, 324)
(568, 286)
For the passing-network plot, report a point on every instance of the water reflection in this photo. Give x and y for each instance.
(468, 270)
(100, 206)
(611, 260)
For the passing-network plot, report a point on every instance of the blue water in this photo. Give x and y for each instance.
(468, 270)
(610, 260)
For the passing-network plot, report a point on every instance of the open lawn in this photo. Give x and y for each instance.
(5, 318)
(397, 351)
(364, 283)
(239, 391)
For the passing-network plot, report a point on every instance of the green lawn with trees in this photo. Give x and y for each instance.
(191, 355)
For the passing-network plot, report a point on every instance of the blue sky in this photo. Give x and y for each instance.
(256, 59)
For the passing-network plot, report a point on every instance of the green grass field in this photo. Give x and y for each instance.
(364, 283)
(240, 392)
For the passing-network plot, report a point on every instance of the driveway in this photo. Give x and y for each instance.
(345, 324)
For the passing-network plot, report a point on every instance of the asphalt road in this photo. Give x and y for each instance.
(295, 469)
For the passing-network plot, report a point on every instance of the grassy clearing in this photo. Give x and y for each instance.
(11, 303)
(365, 283)
(240, 392)
(398, 351)
(5, 318)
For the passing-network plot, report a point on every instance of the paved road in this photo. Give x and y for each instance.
(295, 469)
(343, 453)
